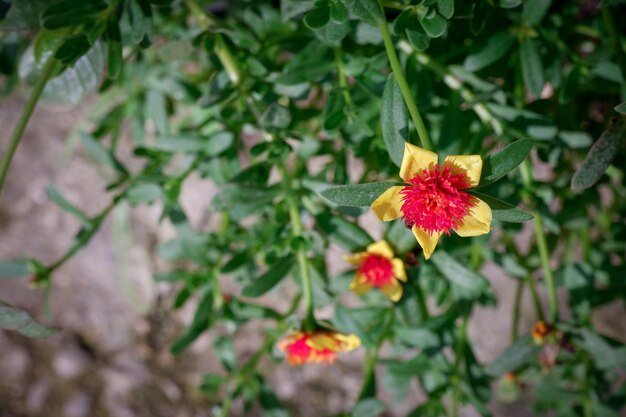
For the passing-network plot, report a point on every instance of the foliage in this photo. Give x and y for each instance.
(274, 104)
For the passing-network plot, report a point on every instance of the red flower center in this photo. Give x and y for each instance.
(300, 352)
(377, 270)
(434, 201)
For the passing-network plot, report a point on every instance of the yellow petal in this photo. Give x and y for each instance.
(321, 341)
(478, 220)
(359, 286)
(398, 269)
(416, 160)
(393, 290)
(470, 165)
(381, 248)
(348, 342)
(426, 241)
(387, 206)
(356, 259)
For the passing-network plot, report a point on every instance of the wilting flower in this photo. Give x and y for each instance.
(434, 201)
(319, 346)
(376, 267)
(540, 331)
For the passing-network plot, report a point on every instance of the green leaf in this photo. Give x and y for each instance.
(156, 109)
(346, 234)
(356, 195)
(24, 14)
(100, 154)
(472, 283)
(533, 125)
(420, 338)
(394, 120)
(332, 33)
(345, 321)
(187, 142)
(521, 352)
(200, 322)
(445, 8)
(72, 48)
(317, 17)
(600, 156)
(504, 161)
(15, 269)
(369, 407)
(60, 201)
(366, 10)
(532, 68)
(338, 12)
(12, 318)
(621, 108)
(490, 51)
(71, 13)
(570, 87)
(503, 211)
(144, 193)
(434, 26)
(417, 37)
(293, 8)
(334, 111)
(534, 11)
(269, 279)
(233, 195)
(139, 15)
(604, 355)
(403, 21)
(399, 237)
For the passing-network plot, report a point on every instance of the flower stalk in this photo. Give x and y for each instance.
(404, 88)
(48, 69)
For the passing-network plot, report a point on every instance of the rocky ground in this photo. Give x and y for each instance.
(112, 357)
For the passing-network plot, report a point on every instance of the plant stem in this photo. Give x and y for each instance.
(303, 262)
(459, 351)
(368, 388)
(517, 304)
(404, 87)
(46, 73)
(620, 55)
(343, 81)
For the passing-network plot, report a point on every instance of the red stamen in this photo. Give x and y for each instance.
(377, 270)
(434, 201)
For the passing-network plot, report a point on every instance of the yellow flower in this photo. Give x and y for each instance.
(376, 267)
(433, 201)
(319, 346)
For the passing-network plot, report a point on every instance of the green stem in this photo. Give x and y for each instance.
(459, 351)
(303, 262)
(368, 388)
(404, 87)
(517, 304)
(620, 55)
(343, 81)
(421, 302)
(46, 73)
(547, 270)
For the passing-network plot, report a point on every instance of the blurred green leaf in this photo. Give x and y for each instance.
(60, 201)
(534, 11)
(394, 120)
(520, 353)
(71, 13)
(600, 156)
(472, 283)
(189, 142)
(532, 68)
(366, 10)
(317, 17)
(15, 269)
(200, 322)
(346, 234)
(621, 108)
(369, 407)
(292, 8)
(144, 193)
(269, 279)
(12, 318)
(489, 51)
